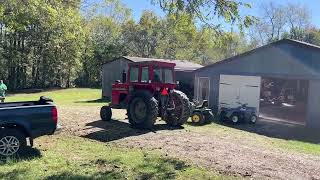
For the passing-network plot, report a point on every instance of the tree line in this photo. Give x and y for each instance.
(46, 43)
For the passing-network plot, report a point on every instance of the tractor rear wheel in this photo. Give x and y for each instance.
(142, 110)
(180, 114)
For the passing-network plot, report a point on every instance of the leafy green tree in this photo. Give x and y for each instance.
(276, 21)
(40, 42)
(62, 43)
(141, 39)
(207, 11)
(103, 37)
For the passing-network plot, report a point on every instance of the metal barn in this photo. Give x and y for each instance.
(113, 70)
(286, 71)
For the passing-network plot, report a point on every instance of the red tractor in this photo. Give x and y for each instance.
(149, 92)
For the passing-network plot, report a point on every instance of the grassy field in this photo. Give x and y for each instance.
(94, 160)
(74, 97)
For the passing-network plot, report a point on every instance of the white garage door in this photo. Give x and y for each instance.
(243, 89)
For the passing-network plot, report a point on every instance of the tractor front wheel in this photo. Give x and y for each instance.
(105, 113)
(142, 110)
(198, 118)
(180, 114)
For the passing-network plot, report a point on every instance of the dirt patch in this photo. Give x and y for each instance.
(226, 154)
(230, 156)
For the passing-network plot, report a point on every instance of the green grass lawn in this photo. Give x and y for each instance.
(66, 157)
(73, 96)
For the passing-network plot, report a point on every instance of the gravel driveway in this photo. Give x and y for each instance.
(224, 153)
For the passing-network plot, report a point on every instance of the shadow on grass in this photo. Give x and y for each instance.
(94, 101)
(28, 154)
(114, 130)
(280, 130)
(151, 167)
(163, 168)
(100, 175)
(14, 174)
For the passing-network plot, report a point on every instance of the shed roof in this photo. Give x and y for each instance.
(181, 65)
(289, 41)
(156, 63)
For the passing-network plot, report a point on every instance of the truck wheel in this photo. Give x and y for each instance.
(182, 111)
(12, 142)
(253, 119)
(105, 113)
(209, 117)
(197, 118)
(142, 110)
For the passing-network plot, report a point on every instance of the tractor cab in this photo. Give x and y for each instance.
(153, 76)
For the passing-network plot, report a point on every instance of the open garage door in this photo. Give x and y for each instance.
(284, 100)
(235, 89)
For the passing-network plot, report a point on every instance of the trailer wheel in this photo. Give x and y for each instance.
(12, 142)
(142, 110)
(198, 118)
(182, 110)
(105, 113)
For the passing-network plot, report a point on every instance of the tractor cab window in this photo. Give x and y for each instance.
(145, 74)
(157, 77)
(134, 72)
(168, 76)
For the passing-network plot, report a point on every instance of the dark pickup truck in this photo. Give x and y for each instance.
(20, 121)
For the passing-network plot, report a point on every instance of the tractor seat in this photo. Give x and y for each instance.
(203, 105)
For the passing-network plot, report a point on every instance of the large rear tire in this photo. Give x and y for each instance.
(182, 110)
(142, 110)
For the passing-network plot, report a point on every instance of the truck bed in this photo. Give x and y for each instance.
(35, 117)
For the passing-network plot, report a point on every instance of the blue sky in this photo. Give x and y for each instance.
(138, 6)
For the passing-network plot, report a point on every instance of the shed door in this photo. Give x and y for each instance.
(204, 89)
(243, 89)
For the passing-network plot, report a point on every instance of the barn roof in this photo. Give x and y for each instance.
(289, 41)
(181, 65)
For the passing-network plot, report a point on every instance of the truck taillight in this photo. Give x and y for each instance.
(54, 115)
